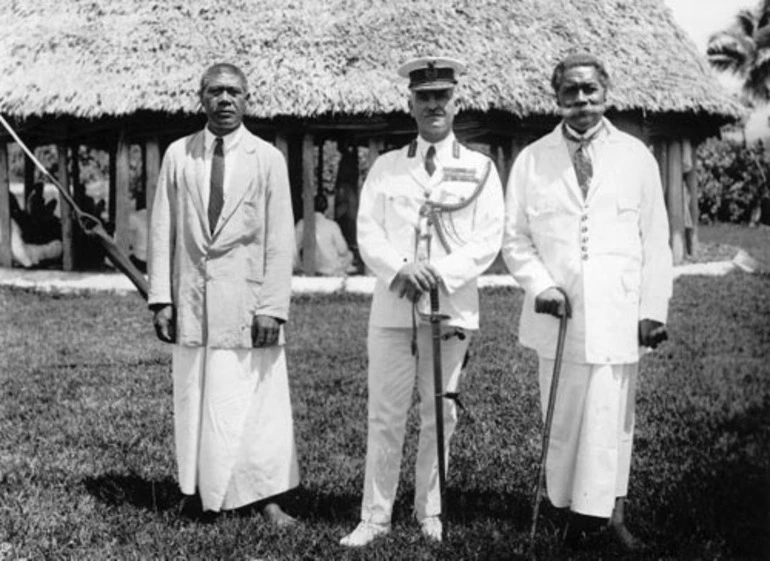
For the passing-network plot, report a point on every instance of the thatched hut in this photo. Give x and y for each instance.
(110, 74)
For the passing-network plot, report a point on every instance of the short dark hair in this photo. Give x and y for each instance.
(320, 203)
(219, 68)
(579, 59)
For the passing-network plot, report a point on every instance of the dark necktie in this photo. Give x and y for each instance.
(584, 169)
(430, 160)
(216, 193)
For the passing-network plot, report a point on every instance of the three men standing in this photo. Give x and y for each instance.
(430, 216)
(220, 263)
(585, 214)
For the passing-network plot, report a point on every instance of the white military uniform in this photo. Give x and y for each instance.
(396, 189)
(609, 251)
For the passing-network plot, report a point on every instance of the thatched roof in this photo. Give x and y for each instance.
(315, 58)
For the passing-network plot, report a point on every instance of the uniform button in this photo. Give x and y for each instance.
(584, 229)
(584, 218)
(585, 257)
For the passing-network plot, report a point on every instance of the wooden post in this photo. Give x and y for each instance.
(66, 212)
(29, 178)
(151, 171)
(691, 181)
(308, 210)
(122, 195)
(282, 143)
(111, 192)
(79, 194)
(675, 199)
(6, 257)
(375, 147)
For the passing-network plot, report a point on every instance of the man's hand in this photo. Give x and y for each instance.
(551, 301)
(651, 333)
(164, 320)
(264, 331)
(415, 278)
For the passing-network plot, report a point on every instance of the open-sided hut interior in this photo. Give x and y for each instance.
(107, 75)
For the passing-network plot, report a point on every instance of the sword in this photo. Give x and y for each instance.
(438, 385)
(549, 418)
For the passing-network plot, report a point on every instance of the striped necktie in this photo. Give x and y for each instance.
(216, 193)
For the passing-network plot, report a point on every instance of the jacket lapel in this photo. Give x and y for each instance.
(561, 161)
(194, 174)
(243, 171)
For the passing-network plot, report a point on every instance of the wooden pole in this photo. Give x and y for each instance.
(29, 178)
(122, 193)
(308, 210)
(375, 147)
(66, 212)
(6, 256)
(691, 180)
(151, 170)
(79, 194)
(675, 199)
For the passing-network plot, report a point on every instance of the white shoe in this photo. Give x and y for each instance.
(364, 534)
(431, 528)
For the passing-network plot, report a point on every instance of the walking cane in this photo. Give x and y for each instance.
(91, 225)
(549, 417)
(438, 386)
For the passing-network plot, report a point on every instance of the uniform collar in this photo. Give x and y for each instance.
(444, 148)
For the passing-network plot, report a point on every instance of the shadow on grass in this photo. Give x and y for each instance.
(119, 489)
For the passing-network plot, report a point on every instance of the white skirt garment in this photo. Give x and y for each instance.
(233, 425)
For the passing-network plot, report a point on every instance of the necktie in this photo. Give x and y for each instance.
(216, 192)
(430, 160)
(584, 169)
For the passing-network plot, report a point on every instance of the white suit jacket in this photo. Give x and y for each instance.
(389, 215)
(219, 281)
(609, 252)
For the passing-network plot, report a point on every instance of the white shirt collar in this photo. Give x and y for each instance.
(599, 129)
(230, 139)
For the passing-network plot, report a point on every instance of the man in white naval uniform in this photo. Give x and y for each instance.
(585, 213)
(431, 214)
(221, 243)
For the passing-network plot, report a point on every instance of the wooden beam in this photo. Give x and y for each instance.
(151, 170)
(66, 211)
(6, 257)
(122, 195)
(308, 206)
(675, 199)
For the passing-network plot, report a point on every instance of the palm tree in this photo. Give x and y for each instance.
(744, 49)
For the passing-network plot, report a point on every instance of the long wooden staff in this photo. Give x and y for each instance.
(549, 418)
(90, 224)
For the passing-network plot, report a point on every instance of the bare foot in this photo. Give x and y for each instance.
(625, 538)
(273, 514)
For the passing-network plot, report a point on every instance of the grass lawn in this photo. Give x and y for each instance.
(86, 443)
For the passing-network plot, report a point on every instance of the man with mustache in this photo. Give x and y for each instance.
(430, 216)
(220, 257)
(585, 215)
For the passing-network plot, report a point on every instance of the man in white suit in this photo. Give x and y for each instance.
(430, 215)
(221, 243)
(585, 214)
